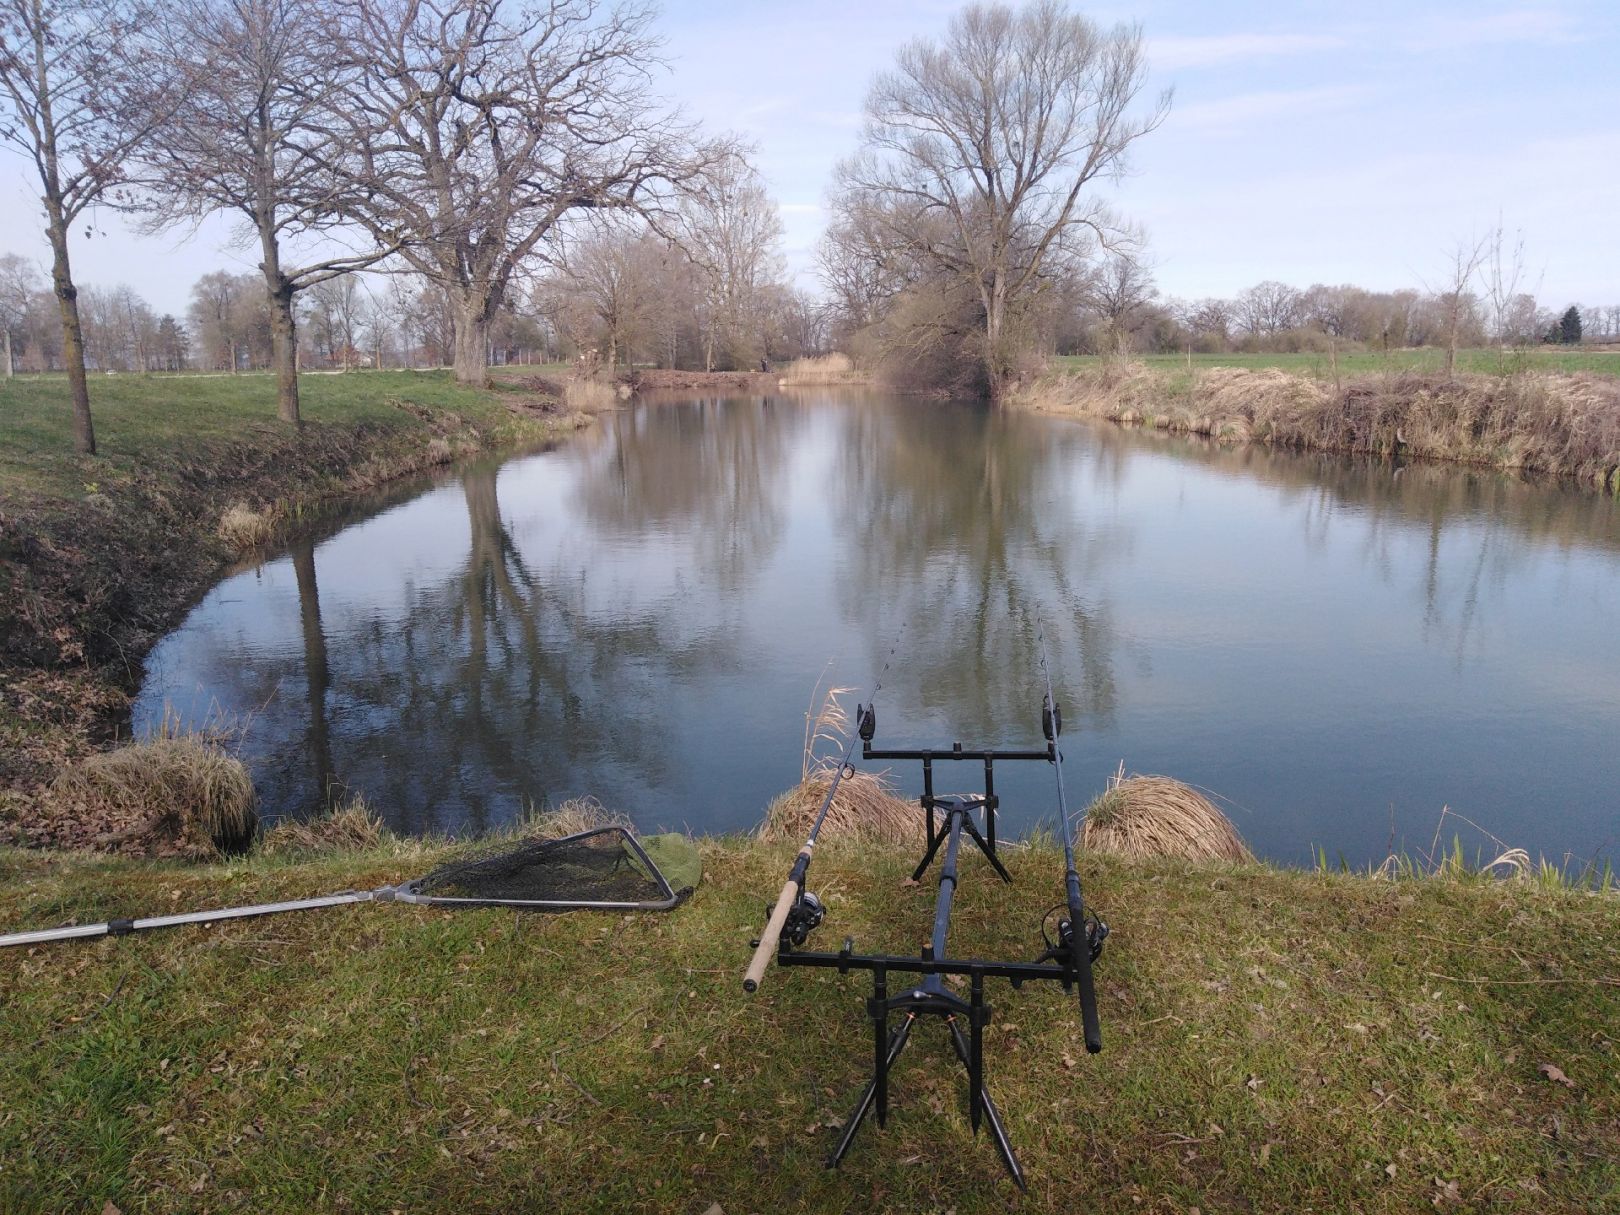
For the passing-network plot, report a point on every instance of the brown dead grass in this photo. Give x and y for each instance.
(242, 527)
(1143, 816)
(350, 827)
(183, 796)
(1560, 423)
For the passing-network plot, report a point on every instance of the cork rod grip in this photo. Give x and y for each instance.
(772, 934)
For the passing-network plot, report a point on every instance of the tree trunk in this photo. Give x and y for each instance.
(472, 344)
(67, 301)
(284, 352)
(994, 317)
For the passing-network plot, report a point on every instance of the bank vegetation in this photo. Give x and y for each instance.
(1566, 425)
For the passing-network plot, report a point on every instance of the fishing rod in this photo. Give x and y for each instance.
(1075, 937)
(795, 910)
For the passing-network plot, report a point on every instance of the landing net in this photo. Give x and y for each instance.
(602, 868)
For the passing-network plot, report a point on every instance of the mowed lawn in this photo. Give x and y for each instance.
(1424, 359)
(1275, 1041)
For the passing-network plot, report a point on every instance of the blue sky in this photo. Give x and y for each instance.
(1308, 141)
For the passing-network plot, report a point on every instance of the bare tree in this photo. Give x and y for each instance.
(732, 231)
(253, 135)
(70, 72)
(999, 128)
(1454, 297)
(1268, 308)
(479, 125)
(1118, 292)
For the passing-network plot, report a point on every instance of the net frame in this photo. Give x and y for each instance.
(419, 890)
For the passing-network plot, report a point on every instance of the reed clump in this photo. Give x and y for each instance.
(1141, 816)
(864, 808)
(832, 368)
(177, 795)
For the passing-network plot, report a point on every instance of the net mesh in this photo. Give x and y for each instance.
(602, 866)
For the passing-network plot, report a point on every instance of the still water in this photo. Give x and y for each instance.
(1337, 648)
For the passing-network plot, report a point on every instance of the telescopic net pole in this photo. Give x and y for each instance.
(1079, 940)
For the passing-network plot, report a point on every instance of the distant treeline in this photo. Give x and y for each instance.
(1118, 308)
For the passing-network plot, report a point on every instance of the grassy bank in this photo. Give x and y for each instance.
(1275, 1042)
(1562, 424)
(100, 555)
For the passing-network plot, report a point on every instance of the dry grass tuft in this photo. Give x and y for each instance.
(1155, 816)
(589, 396)
(569, 818)
(180, 795)
(350, 827)
(243, 528)
(865, 808)
(439, 451)
(827, 369)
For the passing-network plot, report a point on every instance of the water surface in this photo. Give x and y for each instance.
(1339, 648)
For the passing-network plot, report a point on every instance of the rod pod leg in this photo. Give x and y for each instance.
(897, 1043)
(992, 1116)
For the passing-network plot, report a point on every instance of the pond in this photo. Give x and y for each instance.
(1338, 648)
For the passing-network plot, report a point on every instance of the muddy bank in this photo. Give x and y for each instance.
(1565, 425)
(88, 583)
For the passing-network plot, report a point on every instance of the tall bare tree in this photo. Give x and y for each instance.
(70, 73)
(1454, 297)
(253, 134)
(479, 125)
(1000, 128)
(731, 230)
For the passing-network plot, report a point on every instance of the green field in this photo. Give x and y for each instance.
(1275, 1041)
(142, 420)
(1424, 359)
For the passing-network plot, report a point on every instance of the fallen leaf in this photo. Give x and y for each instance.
(1265, 1154)
(910, 882)
(714, 1209)
(1389, 1169)
(111, 1208)
(1556, 1075)
(1253, 1083)
(1068, 1059)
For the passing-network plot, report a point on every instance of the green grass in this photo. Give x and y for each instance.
(1425, 359)
(142, 417)
(1276, 1041)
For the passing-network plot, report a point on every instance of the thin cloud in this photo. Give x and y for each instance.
(1517, 27)
(1171, 54)
(1233, 115)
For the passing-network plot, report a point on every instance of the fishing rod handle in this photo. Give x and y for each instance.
(771, 936)
(1088, 1001)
